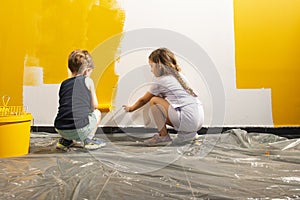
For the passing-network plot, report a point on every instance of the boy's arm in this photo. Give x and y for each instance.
(90, 85)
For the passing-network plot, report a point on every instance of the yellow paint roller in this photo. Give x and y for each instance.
(104, 107)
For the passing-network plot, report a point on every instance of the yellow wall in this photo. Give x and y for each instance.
(44, 32)
(12, 50)
(267, 36)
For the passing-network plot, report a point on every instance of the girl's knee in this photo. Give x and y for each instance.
(155, 100)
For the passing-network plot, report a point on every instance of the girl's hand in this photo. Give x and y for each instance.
(139, 103)
(127, 108)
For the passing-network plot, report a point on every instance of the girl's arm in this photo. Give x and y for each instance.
(139, 103)
(90, 85)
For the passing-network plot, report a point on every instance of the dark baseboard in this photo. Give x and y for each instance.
(288, 132)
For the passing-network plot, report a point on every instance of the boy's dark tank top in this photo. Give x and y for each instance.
(74, 104)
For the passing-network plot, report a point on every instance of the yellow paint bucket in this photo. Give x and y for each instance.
(14, 130)
(15, 135)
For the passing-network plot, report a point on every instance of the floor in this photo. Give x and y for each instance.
(231, 165)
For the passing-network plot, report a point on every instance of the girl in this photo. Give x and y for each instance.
(172, 101)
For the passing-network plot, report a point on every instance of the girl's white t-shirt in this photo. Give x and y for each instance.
(169, 88)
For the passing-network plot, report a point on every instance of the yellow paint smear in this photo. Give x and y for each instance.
(267, 53)
(43, 33)
(105, 107)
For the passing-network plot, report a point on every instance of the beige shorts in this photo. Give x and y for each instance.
(82, 133)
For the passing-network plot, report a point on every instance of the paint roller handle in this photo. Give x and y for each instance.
(5, 100)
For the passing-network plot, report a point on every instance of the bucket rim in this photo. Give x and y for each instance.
(16, 118)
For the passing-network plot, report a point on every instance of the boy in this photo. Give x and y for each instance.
(78, 117)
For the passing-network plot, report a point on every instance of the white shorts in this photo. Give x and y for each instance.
(187, 119)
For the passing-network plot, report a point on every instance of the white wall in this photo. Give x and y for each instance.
(209, 24)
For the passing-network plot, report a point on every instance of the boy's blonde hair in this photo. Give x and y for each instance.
(80, 60)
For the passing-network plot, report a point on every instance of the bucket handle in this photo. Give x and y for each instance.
(5, 100)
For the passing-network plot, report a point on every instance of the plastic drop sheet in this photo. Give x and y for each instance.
(231, 165)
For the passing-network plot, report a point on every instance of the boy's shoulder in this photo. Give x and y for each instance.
(68, 80)
(89, 82)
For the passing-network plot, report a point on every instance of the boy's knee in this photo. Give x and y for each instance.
(98, 115)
